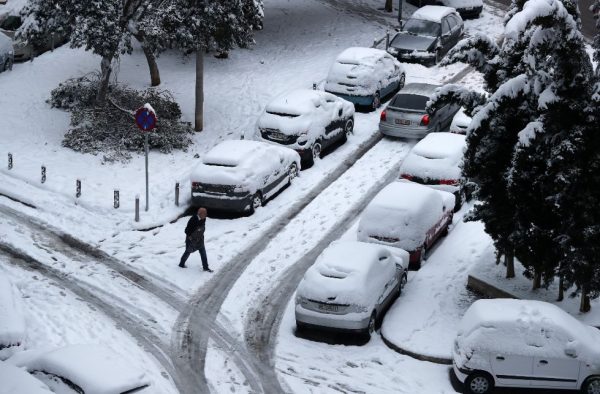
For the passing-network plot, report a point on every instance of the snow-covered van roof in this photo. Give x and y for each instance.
(526, 327)
(433, 13)
(437, 156)
(350, 272)
(94, 368)
(12, 321)
(14, 380)
(404, 211)
(296, 102)
(360, 55)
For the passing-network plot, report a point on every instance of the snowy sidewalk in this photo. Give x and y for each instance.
(423, 320)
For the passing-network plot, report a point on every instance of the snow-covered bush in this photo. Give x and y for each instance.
(110, 128)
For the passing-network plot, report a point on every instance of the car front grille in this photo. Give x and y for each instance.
(385, 239)
(325, 307)
(277, 136)
(227, 190)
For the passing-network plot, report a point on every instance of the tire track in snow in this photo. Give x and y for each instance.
(72, 247)
(190, 343)
(122, 318)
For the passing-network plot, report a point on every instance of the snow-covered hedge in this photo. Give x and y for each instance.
(110, 128)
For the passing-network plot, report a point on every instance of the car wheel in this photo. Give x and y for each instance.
(421, 258)
(479, 383)
(257, 202)
(402, 81)
(372, 324)
(376, 101)
(7, 65)
(403, 281)
(348, 129)
(292, 172)
(438, 56)
(316, 151)
(591, 386)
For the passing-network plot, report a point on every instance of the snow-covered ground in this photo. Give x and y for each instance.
(300, 41)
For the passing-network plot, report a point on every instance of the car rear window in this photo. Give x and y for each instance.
(410, 101)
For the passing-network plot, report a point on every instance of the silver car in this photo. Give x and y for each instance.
(405, 115)
(23, 50)
(7, 54)
(350, 287)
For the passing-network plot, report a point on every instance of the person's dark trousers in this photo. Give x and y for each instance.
(186, 254)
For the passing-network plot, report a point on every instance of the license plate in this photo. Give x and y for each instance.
(328, 308)
(403, 121)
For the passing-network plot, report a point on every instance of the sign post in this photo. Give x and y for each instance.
(145, 119)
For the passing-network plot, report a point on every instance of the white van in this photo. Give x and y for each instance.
(526, 344)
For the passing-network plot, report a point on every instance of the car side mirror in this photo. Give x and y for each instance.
(570, 352)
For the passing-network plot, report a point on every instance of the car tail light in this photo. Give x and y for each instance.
(383, 116)
(448, 182)
(407, 177)
(195, 184)
(425, 120)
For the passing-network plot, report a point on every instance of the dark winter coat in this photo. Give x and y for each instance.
(194, 232)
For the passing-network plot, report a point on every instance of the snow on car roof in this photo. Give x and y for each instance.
(433, 13)
(440, 145)
(94, 368)
(15, 380)
(12, 322)
(296, 102)
(527, 327)
(359, 55)
(348, 272)
(232, 153)
(406, 197)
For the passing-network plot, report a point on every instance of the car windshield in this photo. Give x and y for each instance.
(422, 27)
(283, 114)
(410, 101)
(11, 23)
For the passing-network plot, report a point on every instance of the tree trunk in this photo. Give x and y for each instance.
(151, 59)
(106, 69)
(561, 289)
(584, 306)
(509, 259)
(388, 5)
(537, 280)
(199, 91)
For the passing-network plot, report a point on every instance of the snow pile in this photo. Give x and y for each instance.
(14, 380)
(303, 113)
(12, 321)
(533, 9)
(244, 164)
(353, 273)
(402, 213)
(436, 157)
(527, 328)
(94, 368)
(362, 71)
(433, 13)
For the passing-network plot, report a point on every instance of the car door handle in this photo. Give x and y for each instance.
(501, 358)
(543, 362)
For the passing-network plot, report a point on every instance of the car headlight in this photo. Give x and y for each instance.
(302, 139)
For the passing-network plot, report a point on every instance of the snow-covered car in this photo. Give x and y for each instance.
(427, 35)
(350, 286)
(14, 380)
(466, 8)
(405, 116)
(409, 216)
(435, 162)
(307, 121)
(460, 122)
(365, 76)
(241, 175)
(23, 50)
(82, 369)
(527, 344)
(12, 320)
(7, 54)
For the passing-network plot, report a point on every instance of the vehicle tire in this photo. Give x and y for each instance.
(316, 151)
(438, 56)
(7, 65)
(371, 327)
(591, 385)
(421, 258)
(348, 129)
(257, 202)
(479, 383)
(376, 101)
(402, 82)
(403, 281)
(292, 172)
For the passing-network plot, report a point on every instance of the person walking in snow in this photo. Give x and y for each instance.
(194, 239)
